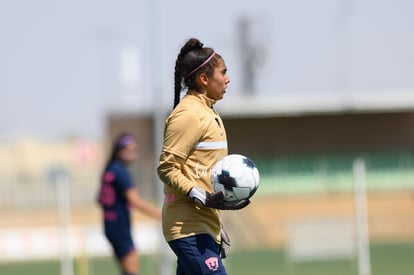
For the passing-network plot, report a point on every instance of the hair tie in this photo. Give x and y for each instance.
(202, 64)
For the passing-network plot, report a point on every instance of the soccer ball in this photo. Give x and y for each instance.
(237, 176)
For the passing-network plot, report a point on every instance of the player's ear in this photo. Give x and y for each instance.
(203, 79)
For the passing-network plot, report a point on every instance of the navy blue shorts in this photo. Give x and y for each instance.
(121, 245)
(197, 254)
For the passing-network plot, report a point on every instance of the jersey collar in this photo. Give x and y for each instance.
(208, 101)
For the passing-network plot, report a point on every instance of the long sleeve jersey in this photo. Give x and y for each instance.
(194, 140)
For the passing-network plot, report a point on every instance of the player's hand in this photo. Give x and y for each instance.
(204, 198)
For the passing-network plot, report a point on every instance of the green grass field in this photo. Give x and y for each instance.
(386, 259)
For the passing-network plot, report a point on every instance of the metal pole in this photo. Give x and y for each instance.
(63, 207)
(361, 218)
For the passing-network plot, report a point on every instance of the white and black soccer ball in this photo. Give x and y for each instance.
(237, 176)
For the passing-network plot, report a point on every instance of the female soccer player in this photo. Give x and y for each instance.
(194, 140)
(117, 193)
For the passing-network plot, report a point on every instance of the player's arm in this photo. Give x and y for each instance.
(134, 199)
(183, 131)
(169, 171)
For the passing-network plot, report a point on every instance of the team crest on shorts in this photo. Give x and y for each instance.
(212, 263)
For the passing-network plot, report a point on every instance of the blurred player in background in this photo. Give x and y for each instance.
(194, 140)
(116, 195)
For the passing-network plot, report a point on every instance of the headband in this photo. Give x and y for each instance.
(202, 64)
(124, 141)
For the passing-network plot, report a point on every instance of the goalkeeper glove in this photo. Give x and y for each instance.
(231, 205)
(215, 200)
(204, 198)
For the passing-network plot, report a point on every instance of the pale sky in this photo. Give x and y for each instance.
(60, 61)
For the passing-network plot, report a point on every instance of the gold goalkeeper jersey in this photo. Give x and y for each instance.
(194, 140)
